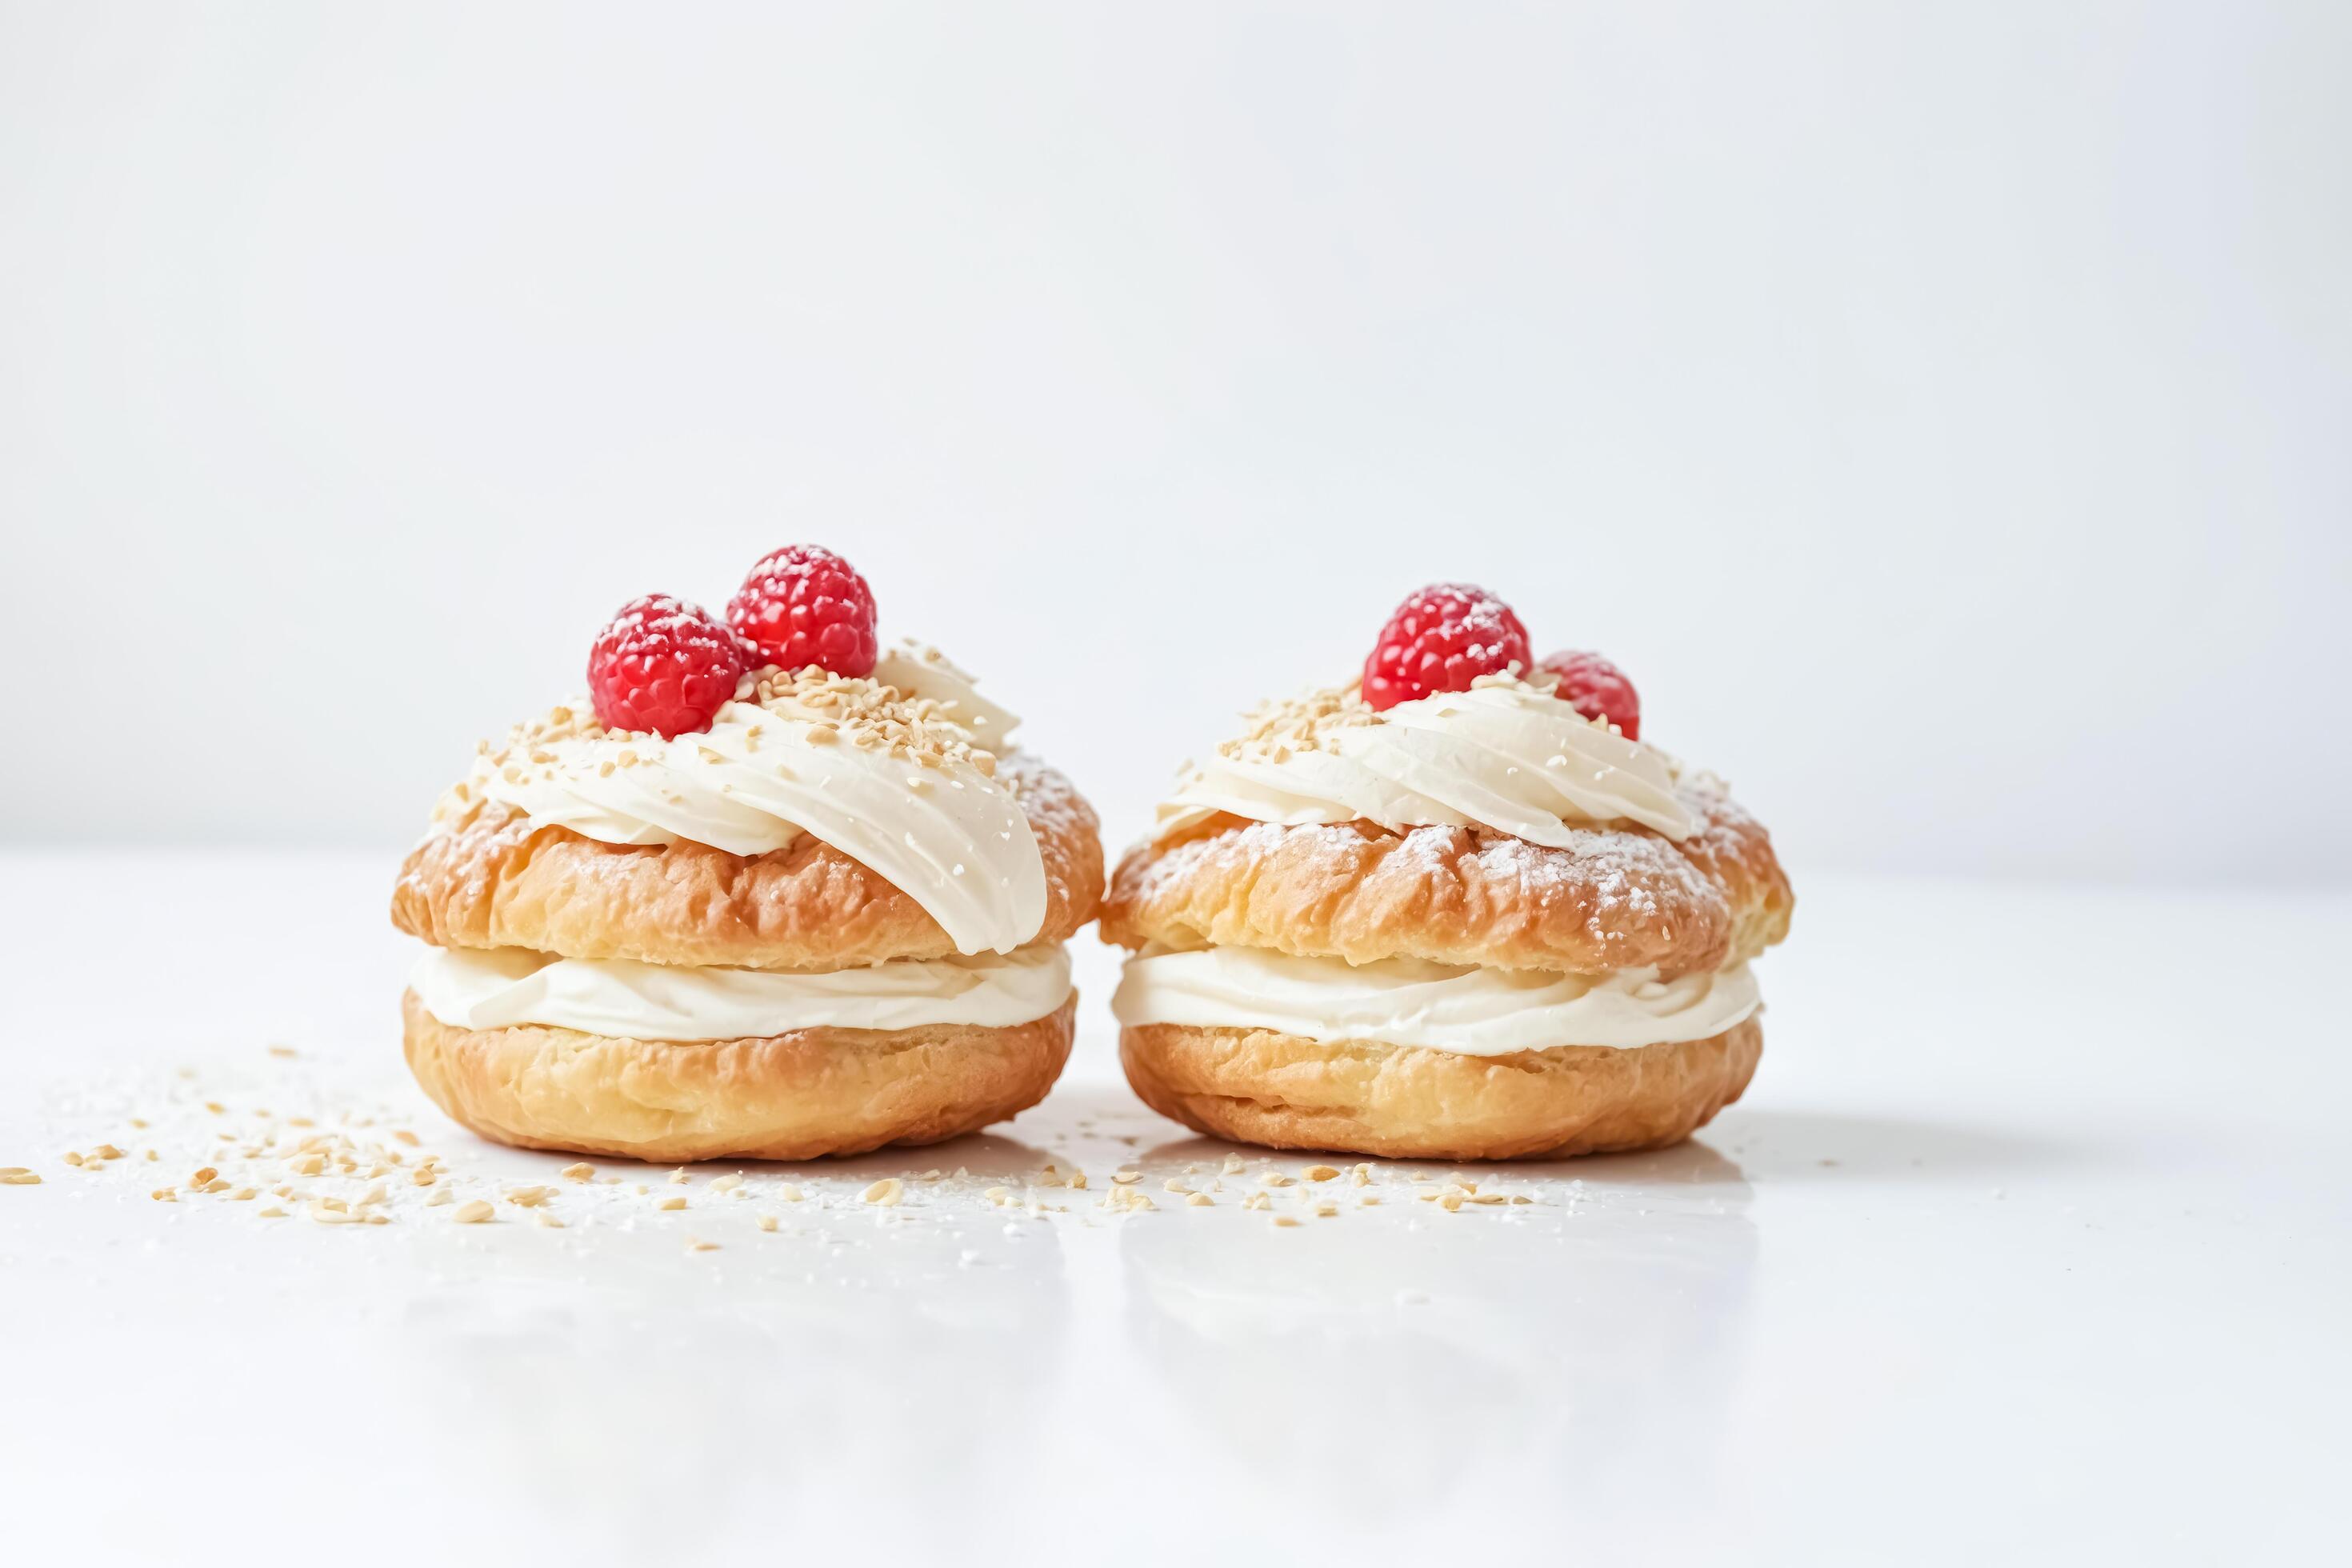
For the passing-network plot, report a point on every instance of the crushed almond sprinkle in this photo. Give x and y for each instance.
(885, 1192)
(473, 1211)
(671, 1204)
(1275, 731)
(767, 1222)
(1200, 1201)
(1320, 1172)
(580, 1171)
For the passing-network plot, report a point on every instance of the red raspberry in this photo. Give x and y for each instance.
(663, 664)
(1442, 640)
(804, 604)
(1596, 689)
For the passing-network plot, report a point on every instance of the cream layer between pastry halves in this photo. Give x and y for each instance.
(1467, 1010)
(495, 988)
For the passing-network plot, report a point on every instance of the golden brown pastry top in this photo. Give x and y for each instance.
(1618, 896)
(490, 878)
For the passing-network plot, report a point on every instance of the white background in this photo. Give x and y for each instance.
(1940, 409)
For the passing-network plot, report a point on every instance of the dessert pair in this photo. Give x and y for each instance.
(771, 890)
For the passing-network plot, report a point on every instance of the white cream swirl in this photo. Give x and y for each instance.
(495, 988)
(922, 670)
(1407, 1002)
(1504, 755)
(952, 837)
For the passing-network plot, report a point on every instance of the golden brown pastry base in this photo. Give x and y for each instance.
(1405, 1102)
(788, 1097)
(494, 879)
(1620, 897)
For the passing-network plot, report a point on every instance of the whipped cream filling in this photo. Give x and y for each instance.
(1504, 755)
(497, 988)
(1407, 1002)
(950, 837)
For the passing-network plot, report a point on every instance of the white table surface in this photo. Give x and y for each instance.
(2028, 1242)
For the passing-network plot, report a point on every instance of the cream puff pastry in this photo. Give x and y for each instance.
(1453, 910)
(769, 892)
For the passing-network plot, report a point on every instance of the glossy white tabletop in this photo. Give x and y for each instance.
(2031, 1241)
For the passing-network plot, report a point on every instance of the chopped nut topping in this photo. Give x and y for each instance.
(886, 1192)
(473, 1211)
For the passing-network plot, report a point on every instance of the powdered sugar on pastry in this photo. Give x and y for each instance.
(504, 987)
(1467, 1010)
(892, 773)
(1505, 755)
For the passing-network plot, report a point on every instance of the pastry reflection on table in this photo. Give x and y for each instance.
(1403, 1348)
(551, 1361)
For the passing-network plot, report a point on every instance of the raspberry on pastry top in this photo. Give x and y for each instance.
(662, 664)
(804, 605)
(1442, 638)
(1596, 689)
